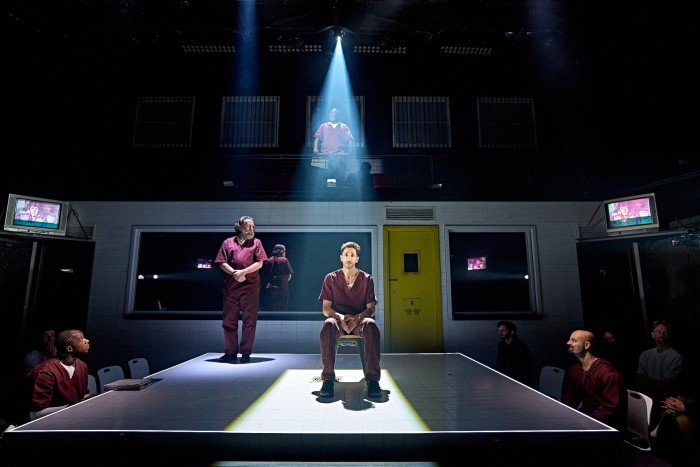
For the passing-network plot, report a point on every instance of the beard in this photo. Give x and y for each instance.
(249, 234)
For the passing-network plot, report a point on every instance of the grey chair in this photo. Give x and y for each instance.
(109, 374)
(138, 367)
(92, 385)
(551, 381)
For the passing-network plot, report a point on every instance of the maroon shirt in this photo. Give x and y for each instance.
(601, 392)
(348, 300)
(278, 269)
(52, 387)
(334, 141)
(240, 257)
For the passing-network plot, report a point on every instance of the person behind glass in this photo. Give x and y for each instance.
(240, 257)
(277, 272)
(513, 358)
(60, 381)
(333, 139)
(593, 385)
(44, 348)
(349, 304)
(361, 182)
(660, 368)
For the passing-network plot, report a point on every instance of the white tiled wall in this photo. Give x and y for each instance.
(167, 342)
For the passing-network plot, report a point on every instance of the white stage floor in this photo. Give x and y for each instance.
(432, 406)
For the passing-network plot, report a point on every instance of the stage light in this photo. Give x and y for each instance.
(284, 48)
(380, 48)
(209, 49)
(465, 50)
(293, 45)
(338, 33)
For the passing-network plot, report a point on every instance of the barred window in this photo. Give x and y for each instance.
(421, 122)
(164, 122)
(506, 123)
(250, 122)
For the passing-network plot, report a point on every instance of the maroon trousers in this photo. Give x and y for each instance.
(246, 299)
(330, 332)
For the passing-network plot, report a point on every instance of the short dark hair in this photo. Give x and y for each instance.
(64, 339)
(661, 322)
(350, 245)
(278, 249)
(509, 324)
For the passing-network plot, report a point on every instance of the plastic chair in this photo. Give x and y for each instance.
(138, 367)
(638, 419)
(552, 381)
(92, 385)
(353, 341)
(109, 374)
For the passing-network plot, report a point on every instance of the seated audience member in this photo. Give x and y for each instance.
(514, 357)
(60, 381)
(678, 437)
(613, 350)
(44, 348)
(659, 369)
(593, 385)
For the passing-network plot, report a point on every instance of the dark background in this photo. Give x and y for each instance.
(614, 85)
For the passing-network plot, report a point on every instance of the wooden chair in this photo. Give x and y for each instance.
(353, 341)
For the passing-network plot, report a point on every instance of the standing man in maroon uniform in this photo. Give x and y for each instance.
(240, 257)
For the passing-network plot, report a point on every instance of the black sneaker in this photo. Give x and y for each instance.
(327, 388)
(373, 389)
(245, 358)
(229, 358)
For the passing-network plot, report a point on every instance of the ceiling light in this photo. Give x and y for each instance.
(292, 48)
(464, 50)
(209, 49)
(379, 49)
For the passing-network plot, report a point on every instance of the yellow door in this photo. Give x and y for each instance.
(413, 308)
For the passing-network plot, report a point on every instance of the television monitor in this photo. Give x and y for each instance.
(476, 263)
(32, 215)
(631, 214)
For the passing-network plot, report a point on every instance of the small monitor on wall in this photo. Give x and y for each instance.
(631, 214)
(476, 263)
(32, 215)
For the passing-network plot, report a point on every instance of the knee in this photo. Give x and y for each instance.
(329, 325)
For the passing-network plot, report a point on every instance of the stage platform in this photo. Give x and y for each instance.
(433, 407)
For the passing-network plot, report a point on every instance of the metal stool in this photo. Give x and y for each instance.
(350, 340)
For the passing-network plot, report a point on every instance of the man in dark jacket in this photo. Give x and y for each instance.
(514, 358)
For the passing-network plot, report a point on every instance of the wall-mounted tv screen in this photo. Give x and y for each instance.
(631, 214)
(32, 215)
(476, 263)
